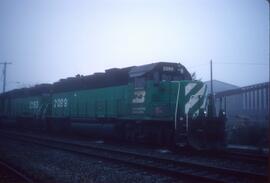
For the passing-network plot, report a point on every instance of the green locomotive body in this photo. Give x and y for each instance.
(108, 102)
(126, 102)
(27, 106)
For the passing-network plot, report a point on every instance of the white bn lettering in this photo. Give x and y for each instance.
(33, 104)
(60, 102)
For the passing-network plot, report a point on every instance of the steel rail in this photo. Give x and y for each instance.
(249, 157)
(228, 154)
(17, 173)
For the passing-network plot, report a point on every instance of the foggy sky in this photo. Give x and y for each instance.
(51, 39)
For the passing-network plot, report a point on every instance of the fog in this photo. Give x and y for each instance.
(53, 39)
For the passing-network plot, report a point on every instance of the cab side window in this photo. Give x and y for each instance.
(166, 77)
(156, 77)
(176, 78)
(139, 82)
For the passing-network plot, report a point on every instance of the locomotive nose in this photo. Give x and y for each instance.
(191, 125)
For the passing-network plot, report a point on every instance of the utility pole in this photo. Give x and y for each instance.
(211, 77)
(211, 107)
(5, 74)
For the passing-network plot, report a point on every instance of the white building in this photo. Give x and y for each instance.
(219, 86)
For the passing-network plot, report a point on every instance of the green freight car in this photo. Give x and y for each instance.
(156, 102)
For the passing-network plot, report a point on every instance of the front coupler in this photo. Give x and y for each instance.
(207, 132)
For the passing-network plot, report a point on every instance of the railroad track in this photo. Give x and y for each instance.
(10, 174)
(229, 154)
(179, 169)
(248, 157)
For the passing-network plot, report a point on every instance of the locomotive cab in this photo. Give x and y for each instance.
(150, 88)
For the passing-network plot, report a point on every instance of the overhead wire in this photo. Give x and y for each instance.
(241, 63)
(230, 63)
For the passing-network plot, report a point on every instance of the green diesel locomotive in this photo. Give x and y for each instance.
(155, 103)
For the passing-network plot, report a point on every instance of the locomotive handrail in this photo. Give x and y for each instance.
(38, 112)
(176, 105)
(44, 111)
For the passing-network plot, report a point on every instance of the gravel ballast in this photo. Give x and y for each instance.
(49, 165)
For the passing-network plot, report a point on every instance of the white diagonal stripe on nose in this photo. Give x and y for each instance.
(189, 87)
(194, 99)
(204, 100)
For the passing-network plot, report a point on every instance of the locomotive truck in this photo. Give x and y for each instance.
(156, 103)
